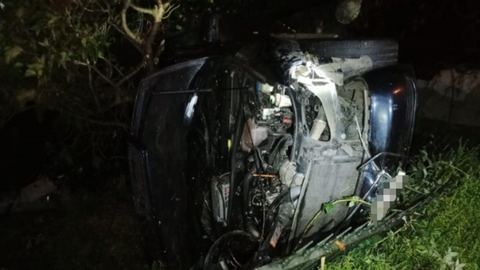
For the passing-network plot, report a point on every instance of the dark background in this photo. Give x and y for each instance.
(91, 224)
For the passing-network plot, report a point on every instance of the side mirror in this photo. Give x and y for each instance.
(348, 10)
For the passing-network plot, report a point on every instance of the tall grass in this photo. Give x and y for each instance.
(446, 234)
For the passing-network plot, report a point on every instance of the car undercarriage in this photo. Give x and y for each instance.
(243, 158)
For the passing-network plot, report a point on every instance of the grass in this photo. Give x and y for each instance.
(445, 235)
(103, 234)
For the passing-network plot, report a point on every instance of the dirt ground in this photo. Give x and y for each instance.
(91, 231)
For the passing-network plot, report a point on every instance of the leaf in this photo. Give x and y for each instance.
(459, 266)
(12, 53)
(44, 43)
(328, 207)
(25, 95)
(20, 12)
(52, 20)
(36, 68)
(63, 59)
(30, 73)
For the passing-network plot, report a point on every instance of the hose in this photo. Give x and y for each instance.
(319, 125)
(296, 129)
(240, 122)
(275, 156)
(276, 134)
(276, 203)
(247, 184)
(208, 258)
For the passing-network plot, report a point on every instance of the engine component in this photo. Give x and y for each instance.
(280, 100)
(264, 88)
(273, 191)
(285, 213)
(220, 193)
(247, 205)
(268, 113)
(288, 174)
(319, 125)
(253, 135)
(237, 235)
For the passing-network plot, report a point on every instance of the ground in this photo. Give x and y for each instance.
(94, 231)
(99, 230)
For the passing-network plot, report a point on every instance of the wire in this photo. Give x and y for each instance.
(364, 144)
(324, 208)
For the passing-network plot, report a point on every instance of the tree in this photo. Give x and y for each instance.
(73, 57)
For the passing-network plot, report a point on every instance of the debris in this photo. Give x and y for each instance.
(22, 201)
(43, 186)
(454, 84)
(322, 263)
(451, 96)
(342, 246)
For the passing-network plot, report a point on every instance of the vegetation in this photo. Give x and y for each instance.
(82, 60)
(444, 235)
(102, 233)
(74, 64)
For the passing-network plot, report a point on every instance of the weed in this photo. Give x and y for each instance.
(444, 235)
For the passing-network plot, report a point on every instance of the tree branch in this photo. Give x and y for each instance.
(105, 78)
(128, 32)
(159, 50)
(142, 10)
(127, 37)
(131, 74)
(145, 45)
(169, 11)
(97, 122)
(90, 84)
(159, 10)
(112, 66)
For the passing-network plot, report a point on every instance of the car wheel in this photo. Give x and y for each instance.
(382, 52)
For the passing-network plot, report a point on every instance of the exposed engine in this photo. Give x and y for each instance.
(266, 139)
(267, 183)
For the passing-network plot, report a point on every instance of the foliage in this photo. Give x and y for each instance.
(40, 37)
(77, 58)
(327, 208)
(443, 236)
(63, 51)
(40, 43)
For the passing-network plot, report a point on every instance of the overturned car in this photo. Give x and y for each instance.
(241, 159)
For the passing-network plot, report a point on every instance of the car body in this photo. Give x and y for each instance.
(234, 156)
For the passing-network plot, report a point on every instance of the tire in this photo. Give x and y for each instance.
(382, 52)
